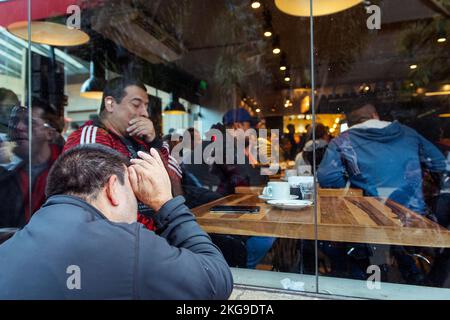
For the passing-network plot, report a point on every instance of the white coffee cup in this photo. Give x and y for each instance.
(277, 190)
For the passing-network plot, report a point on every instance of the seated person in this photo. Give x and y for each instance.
(241, 172)
(383, 159)
(305, 158)
(124, 124)
(85, 242)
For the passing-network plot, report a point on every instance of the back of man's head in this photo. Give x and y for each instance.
(361, 110)
(84, 170)
(116, 88)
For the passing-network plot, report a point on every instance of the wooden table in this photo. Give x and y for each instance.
(340, 218)
(321, 191)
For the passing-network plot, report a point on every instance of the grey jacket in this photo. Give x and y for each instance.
(69, 250)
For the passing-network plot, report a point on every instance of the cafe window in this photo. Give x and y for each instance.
(344, 153)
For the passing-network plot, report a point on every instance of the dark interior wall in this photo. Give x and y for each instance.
(275, 122)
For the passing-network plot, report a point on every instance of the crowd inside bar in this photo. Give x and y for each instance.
(172, 145)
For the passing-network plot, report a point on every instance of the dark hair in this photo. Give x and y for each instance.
(84, 170)
(8, 97)
(320, 132)
(360, 110)
(116, 88)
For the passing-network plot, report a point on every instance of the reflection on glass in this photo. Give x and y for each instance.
(223, 90)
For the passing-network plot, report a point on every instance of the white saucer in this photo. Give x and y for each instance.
(290, 204)
(263, 197)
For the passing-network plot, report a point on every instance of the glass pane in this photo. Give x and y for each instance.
(382, 78)
(205, 65)
(14, 146)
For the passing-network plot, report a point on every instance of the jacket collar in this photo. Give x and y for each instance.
(72, 200)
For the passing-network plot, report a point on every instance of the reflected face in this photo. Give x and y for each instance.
(133, 105)
(242, 125)
(18, 131)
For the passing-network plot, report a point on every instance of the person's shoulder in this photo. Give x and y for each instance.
(89, 133)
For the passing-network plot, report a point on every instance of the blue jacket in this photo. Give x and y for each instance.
(381, 161)
(115, 260)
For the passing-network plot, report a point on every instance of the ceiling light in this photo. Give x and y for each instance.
(267, 34)
(283, 68)
(256, 4)
(175, 107)
(93, 87)
(276, 45)
(320, 7)
(437, 93)
(258, 110)
(53, 34)
(287, 79)
(413, 66)
(441, 40)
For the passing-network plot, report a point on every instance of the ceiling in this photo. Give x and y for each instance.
(221, 42)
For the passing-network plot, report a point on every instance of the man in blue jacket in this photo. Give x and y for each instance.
(85, 243)
(381, 158)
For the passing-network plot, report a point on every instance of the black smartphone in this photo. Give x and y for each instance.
(235, 209)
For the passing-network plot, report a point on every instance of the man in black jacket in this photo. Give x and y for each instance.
(85, 243)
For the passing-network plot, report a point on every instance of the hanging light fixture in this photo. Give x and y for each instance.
(283, 62)
(320, 7)
(256, 4)
(276, 49)
(50, 33)
(287, 77)
(441, 32)
(268, 30)
(441, 36)
(93, 87)
(175, 107)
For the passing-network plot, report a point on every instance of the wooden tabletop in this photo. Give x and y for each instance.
(321, 191)
(340, 218)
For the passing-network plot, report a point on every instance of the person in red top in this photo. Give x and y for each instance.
(16, 180)
(124, 125)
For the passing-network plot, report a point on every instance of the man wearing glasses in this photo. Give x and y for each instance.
(16, 208)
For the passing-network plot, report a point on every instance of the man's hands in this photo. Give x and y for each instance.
(149, 180)
(143, 128)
